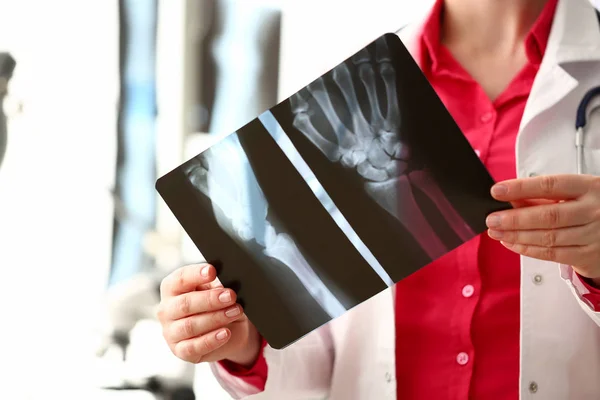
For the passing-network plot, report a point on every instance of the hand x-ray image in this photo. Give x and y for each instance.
(379, 141)
(335, 194)
(372, 145)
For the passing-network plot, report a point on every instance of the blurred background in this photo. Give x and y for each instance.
(101, 98)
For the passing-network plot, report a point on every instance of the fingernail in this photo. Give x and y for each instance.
(222, 334)
(499, 190)
(509, 245)
(204, 272)
(225, 297)
(495, 234)
(493, 221)
(233, 312)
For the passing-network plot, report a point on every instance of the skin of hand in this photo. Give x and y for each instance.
(555, 218)
(201, 321)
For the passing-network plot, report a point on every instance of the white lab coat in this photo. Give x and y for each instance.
(353, 357)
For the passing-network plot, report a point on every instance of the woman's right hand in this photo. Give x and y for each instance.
(201, 320)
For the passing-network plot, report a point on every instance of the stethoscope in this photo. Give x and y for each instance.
(581, 122)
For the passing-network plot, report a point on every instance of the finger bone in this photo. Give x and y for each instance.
(323, 98)
(303, 123)
(342, 77)
(382, 51)
(299, 102)
(367, 76)
(361, 57)
(392, 116)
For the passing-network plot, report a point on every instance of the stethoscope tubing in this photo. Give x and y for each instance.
(581, 123)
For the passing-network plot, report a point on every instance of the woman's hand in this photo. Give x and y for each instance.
(201, 320)
(555, 218)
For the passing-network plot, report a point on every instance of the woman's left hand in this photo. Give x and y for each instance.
(555, 218)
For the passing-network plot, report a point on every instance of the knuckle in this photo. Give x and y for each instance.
(595, 184)
(205, 344)
(549, 253)
(387, 70)
(186, 351)
(180, 277)
(518, 187)
(188, 327)
(513, 221)
(551, 216)
(183, 305)
(217, 319)
(549, 238)
(548, 184)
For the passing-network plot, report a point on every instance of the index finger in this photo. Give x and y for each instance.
(187, 279)
(550, 187)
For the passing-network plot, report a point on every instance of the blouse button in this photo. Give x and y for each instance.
(462, 358)
(468, 291)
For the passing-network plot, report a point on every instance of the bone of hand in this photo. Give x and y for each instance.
(223, 174)
(281, 247)
(285, 144)
(231, 199)
(423, 181)
(374, 148)
(396, 197)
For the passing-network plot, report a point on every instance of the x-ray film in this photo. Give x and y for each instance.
(330, 197)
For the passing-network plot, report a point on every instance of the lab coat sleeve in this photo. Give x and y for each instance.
(581, 292)
(301, 371)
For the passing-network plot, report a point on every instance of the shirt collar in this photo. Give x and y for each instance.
(430, 37)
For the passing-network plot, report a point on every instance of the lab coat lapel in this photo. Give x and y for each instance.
(574, 38)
